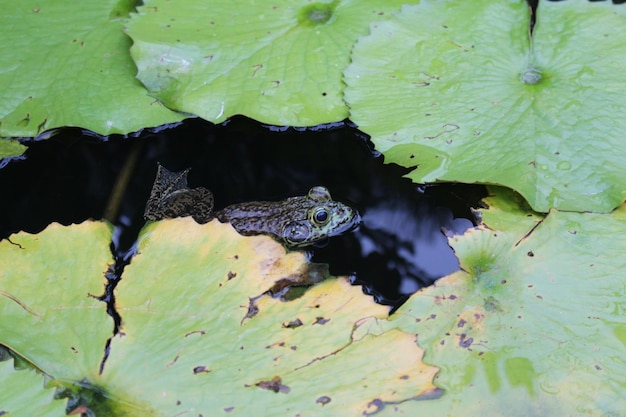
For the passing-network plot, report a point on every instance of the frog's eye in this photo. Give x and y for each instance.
(320, 216)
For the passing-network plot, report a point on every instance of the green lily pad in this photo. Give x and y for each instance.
(22, 393)
(198, 335)
(66, 66)
(439, 88)
(10, 148)
(280, 63)
(534, 324)
(48, 284)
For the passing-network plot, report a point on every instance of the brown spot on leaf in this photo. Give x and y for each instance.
(465, 341)
(293, 324)
(530, 254)
(323, 400)
(275, 384)
(321, 320)
(229, 409)
(461, 323)
(253, 309)
(374, 406)
(404, 377)
(201, 369)
(231, 275)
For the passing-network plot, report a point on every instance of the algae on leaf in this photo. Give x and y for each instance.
(277, 62)
(439, 88)
(198, 333)
(68, 65)
(534, 324)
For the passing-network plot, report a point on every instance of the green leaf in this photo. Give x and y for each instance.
(439, 88)
(534, 324)
(10, 148)
(280, 63)
(48, 284)
(199, 335)
(62, 65)
(22, 393)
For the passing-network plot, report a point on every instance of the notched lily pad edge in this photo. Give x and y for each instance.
(76, 395)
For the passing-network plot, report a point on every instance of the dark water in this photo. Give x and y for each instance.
(398, 249)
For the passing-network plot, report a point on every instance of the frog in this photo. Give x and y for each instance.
(296, 221)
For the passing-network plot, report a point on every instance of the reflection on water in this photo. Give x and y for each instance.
(398, 249)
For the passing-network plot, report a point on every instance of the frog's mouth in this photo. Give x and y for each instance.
(352, 220)
(297, 234)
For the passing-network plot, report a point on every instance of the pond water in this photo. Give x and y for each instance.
(399, 248)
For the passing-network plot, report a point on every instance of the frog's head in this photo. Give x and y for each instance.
(324, 218)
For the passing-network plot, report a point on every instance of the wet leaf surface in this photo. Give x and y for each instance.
(439, 89)
(66, 66)
(277, 63)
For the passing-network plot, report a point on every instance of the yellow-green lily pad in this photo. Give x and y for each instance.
(199, 337)
(534, 324)
(48, 288)
(200, 331)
